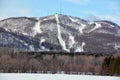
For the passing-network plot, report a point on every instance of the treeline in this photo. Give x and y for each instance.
(111, 65)
(32, 62)
(23, 62)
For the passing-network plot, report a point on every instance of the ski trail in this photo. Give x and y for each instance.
(80, 49)
(96, 27)
(61, 41)
(71, 41)
(81, 28)
(37, 28)
(73, 20)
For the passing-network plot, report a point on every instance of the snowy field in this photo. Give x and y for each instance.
(20, 76)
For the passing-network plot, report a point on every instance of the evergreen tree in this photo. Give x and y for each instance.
(111, 66)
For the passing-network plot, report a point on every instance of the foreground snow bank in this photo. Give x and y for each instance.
(20, 76)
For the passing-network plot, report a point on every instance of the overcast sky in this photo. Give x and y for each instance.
(86, 9)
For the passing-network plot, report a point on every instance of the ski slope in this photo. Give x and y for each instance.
(21, 76)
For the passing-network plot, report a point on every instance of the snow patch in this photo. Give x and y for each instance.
(81, 28)
(96, 27)
(41, 41)
(24, 33)
(62, 43)
(23, 42)
(42, 47)
(71, 41)
(117, 46)
(112, 26)
(6, 29)
(37, 28)
(73, 20)
(45, 19)
(80, 49)
(31, 47)
(90, 22)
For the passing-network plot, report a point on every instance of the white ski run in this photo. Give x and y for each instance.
(80, 48)
(37, 28)
(62, 43)
(96, 27)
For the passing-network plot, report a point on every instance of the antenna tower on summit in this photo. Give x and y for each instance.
(60, 7)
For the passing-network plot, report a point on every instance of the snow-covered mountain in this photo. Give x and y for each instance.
(59, 33)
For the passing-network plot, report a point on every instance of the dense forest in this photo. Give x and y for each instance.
(67, 63)
(111, 65)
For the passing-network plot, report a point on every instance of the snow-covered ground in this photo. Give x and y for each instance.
(21, 76)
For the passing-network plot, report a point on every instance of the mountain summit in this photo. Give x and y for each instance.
(60, 33)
